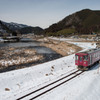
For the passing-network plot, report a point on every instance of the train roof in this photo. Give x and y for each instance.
(90, 51)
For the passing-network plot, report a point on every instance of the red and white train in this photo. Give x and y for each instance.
(86, 59)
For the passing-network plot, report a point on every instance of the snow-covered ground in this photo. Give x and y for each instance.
(17, 83)
(84, 45)
(1, 40)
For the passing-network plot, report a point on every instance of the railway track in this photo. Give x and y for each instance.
(34, 94)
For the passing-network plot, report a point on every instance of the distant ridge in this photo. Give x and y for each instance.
(20, 28)
(85, 21)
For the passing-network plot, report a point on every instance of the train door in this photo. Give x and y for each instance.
(90, 59)
(81, 60)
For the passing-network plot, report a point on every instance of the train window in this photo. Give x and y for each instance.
(85, 58)
(76, 57)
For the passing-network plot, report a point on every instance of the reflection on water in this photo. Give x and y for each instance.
(20, 44)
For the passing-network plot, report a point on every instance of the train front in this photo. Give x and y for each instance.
(81, 60)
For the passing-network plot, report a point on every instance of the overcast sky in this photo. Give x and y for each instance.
(42, 13)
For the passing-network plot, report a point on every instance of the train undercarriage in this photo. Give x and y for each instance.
(82, 68)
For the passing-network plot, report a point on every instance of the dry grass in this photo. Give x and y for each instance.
(17, 56)
(62, 48)
(1, 53)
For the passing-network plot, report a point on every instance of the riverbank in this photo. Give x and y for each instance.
(61, 47)
(14, 56)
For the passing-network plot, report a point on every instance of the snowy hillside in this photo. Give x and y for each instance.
(15, 84)
(14, 26)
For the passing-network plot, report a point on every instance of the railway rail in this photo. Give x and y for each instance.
(50, 86)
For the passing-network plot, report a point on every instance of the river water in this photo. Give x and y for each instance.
(48, 54)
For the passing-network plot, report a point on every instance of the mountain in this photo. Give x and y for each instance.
(4, 28)
(14, 26)
(11, 28)
(85, 21)
(34, 30)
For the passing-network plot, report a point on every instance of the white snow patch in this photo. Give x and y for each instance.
(22, 81)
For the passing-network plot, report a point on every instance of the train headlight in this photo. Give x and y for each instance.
(84, 62)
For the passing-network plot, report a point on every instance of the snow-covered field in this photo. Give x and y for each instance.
(17, 83)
